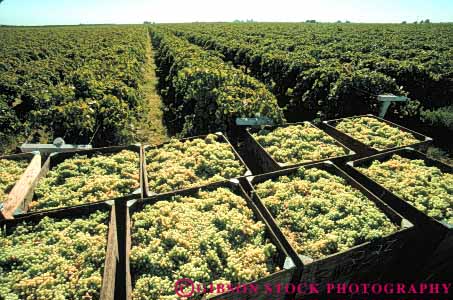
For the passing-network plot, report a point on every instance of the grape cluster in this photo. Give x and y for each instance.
(10, 172)
(321, 214)
(206, 237)
(79, 180)
(298, 144)
(375, 133)
(54, 259)
(427, 188)
(183, 164)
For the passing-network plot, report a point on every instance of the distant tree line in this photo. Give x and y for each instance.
(427, 21)
(242, 21)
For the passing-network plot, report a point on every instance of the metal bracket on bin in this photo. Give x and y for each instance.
(290, 264)
(406, 223)
(58, 145)
(110, 202)
(386, 100)
(234, 181)
(131, 202)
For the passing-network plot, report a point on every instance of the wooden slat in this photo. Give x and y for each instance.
(127, 256)
(111, 261)
(23, 188)
(144, 174)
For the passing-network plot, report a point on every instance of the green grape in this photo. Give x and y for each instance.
(427, 188)
(375, 133)
(320, 214)
(211, 236)
(79, 180)
(298, 144)
(54, 259)
(183, 164)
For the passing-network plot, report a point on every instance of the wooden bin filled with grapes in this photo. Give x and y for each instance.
(59, 254)
(369, 134)
(75, 178)
(19, 174)
(190, 162)
(338, 230)
(294, 144)
(210, 234)
(422, 189)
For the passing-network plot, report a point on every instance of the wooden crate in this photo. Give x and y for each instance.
(433, 236)
(112, 255)
(283, 276)
(268, 164)
(22, 191)
(56, 158)
(223, 139)
(360, 148)
(366, 262)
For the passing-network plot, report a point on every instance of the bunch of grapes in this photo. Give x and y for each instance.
(79, 180)
(184, 164)
(375, 133)
(54, 259)
(210, 236)
(298, 144)
(320, 214)
(427, 188)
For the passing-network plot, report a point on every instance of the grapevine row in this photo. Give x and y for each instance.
(71, 82)
(336, 70)
(201, 92)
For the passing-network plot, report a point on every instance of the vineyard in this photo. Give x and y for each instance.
(71, 82)
(328, 71)
(86, 83)
(314, 187)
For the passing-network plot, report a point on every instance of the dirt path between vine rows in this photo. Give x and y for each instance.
(150, 128)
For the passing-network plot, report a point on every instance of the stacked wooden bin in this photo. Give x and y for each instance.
(24, 212)
(418, 245)
(429, 255)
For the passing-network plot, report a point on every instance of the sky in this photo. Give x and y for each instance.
(64, 12)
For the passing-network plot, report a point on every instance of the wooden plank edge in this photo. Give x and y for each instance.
(23, 188)
(111, 260)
